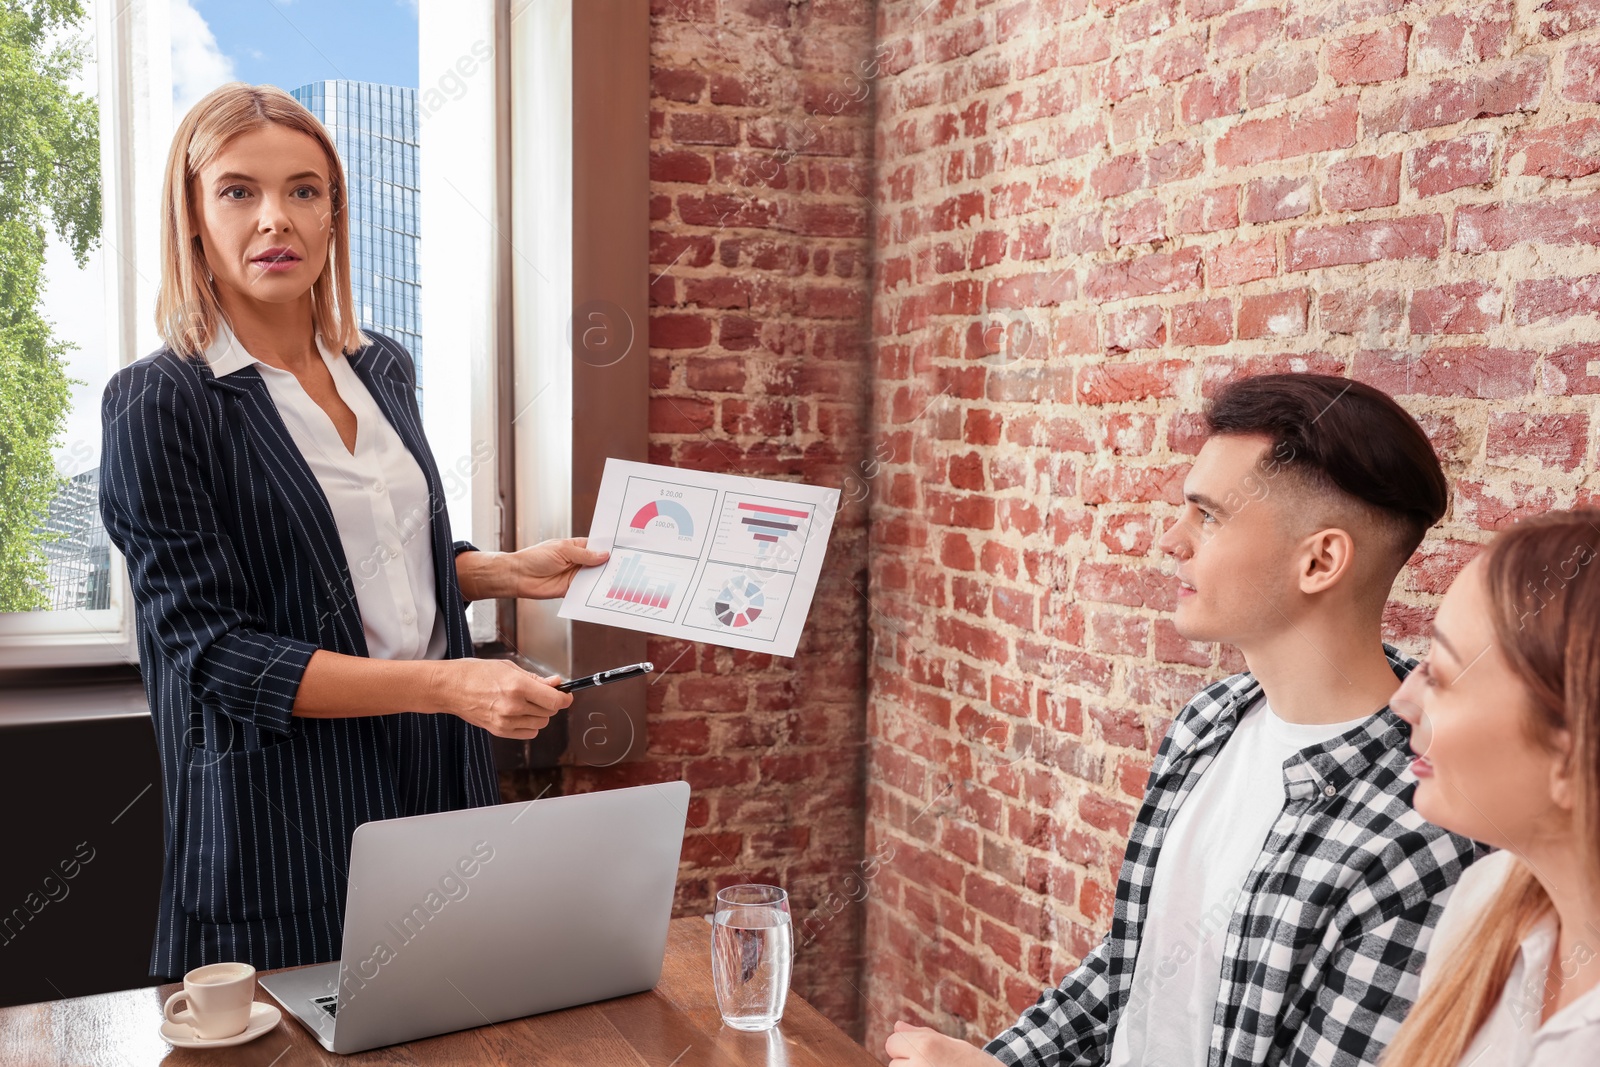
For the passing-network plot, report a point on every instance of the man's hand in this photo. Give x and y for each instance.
(918, 1046)
(538, 572)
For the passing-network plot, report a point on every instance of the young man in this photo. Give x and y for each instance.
(1278, 892)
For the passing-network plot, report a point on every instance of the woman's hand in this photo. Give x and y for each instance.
(498, 695)
(918, 1046)
(544, 571)
(538, 572)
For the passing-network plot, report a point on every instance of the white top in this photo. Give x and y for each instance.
(378, 496)
(1512, 1035)
(1213, 842)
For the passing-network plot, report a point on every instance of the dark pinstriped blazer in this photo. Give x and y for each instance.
(238, 576)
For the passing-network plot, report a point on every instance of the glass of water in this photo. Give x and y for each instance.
(752, 949)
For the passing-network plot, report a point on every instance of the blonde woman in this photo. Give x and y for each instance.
(299, 600)
(1505, 716)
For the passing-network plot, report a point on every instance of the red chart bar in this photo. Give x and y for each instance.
(776, 511)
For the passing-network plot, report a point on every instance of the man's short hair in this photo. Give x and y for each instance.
(1344, 436)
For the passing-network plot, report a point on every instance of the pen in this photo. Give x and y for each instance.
(616, 674)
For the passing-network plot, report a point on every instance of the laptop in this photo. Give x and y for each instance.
(470, 917)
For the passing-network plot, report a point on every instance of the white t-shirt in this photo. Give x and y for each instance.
(1512, 1035)
(378, 496)
(1213, 842)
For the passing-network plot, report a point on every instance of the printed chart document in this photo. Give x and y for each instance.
(704, 557)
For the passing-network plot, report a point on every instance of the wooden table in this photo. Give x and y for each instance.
(675, 1024)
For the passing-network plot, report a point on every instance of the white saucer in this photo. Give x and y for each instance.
(263, 1017)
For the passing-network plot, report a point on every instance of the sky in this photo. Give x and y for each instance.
(280, 42)
(291, 42)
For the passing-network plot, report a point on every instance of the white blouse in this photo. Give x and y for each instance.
(1512, 1035)
(378, 496)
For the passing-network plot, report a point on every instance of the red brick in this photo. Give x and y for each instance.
(1557, 441)
(1582, 80)
(1173, 161)
(677, 84)
(733, 91)
(1157, 272)
(1042, 288)
(1462, 307)
(724, 374)
(704, 128)
(1111, 383)
(1143, 116)
(1469, 35)
(1205, 322)
(1361, 183)
(1573, 371)
(979, 642)
(1446, 101)
(1561, 17)
(1210, 211)
(1210, 95)
(1139, 22)
(1555, 221)
(1316, 129)
(1246, 33)
(1131, 586)
(1314, 18)
(1274, 314)
(1437, 563)
(1360, 311)
(679, 166)
(1485, 373)
(1247, 261)
(1272, 199)
(1498, 507)
(1137, 328)
(1142, 222)
(1445, 165)
(1556, 299)
(1362, 58)
(679, 331)
(1281, 74)
(1567, 151)
(1419, 236)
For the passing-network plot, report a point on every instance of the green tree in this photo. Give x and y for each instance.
(49, 175)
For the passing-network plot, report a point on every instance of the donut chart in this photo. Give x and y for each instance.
(739, 603)
(670, 510)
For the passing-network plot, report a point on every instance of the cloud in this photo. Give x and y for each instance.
(198, 65)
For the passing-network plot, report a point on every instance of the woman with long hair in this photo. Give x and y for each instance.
(1505, 716)
(300, 603)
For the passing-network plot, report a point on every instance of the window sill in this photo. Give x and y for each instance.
(42, 697)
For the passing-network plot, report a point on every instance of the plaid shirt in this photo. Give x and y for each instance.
(1325, 945)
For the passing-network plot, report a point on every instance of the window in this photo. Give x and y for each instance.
(520, 193)
(80, 610)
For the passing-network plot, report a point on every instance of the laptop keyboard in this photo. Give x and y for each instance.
(329, 1004)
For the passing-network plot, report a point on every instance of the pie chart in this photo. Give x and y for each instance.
(739, 602)
(670, 510)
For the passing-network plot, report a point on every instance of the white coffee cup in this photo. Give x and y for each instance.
(219, 996)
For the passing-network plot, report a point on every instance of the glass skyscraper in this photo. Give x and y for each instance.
(78, 553)
(374, 128)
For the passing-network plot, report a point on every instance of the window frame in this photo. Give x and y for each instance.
(553, 230)
(133, 63)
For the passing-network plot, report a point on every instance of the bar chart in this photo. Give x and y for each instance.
(764, 533)
(644, 583)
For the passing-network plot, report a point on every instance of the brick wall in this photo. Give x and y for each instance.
(760, 149)
(1086, 215)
